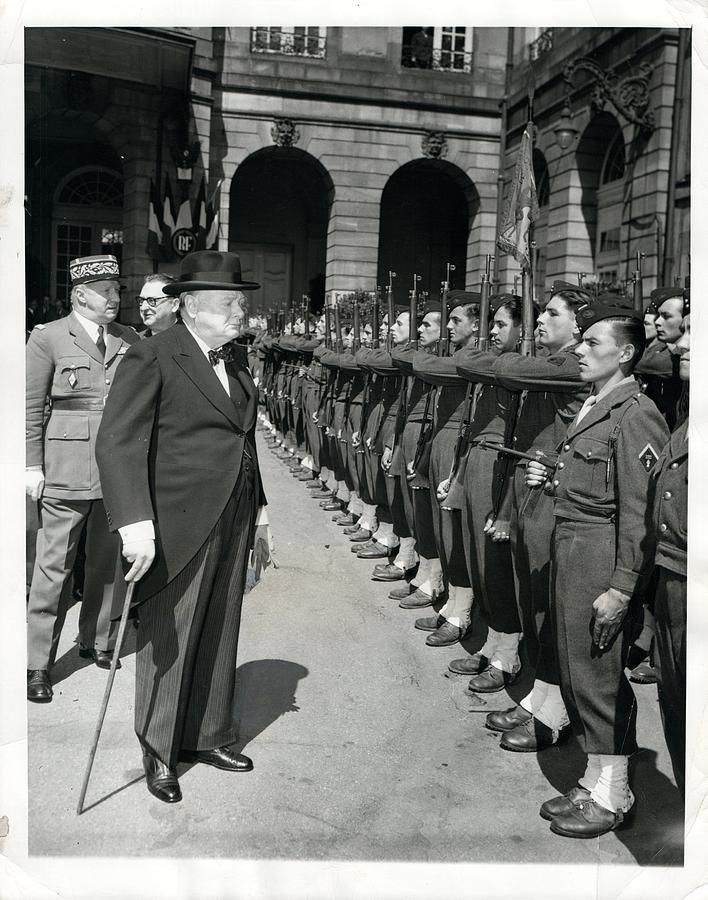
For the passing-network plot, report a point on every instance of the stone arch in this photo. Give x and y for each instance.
(279, 208)
(427, 210)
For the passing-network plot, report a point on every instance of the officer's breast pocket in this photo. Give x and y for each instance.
(590, 473)
(67, 453)
(72, 374)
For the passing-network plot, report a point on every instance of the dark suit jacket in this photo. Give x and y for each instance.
(171, 444)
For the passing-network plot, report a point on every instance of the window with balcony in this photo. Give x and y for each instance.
(290, 40)
(541, 44)
(446, 48)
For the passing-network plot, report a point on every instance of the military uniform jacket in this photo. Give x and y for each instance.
(603, 473)
(171, 446)
(671, 502)
(65, 367)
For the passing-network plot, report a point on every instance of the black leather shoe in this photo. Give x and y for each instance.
(402, 592)
(314, 484)
(430, 623)
(345, 519)
(376, 551)
(587, 819)
(361, 536)
(417, 600)
(532, 736)
(444, 636)
(323, 494)
(491, 680)
(332, 506)
(39, 687)
(508, 719)
(387, 572)
(352, 529)
(220, 758)
(558, 806)
(161, 781)
(102, 658)
(308, 478)
(470, 665)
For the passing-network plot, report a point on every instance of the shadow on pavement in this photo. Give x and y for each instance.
(71, 662)
(266, 691)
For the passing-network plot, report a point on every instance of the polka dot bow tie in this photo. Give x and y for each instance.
(226, 353)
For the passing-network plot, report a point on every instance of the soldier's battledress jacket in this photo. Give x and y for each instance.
(65, 365)
(603, 471)
(670, 509)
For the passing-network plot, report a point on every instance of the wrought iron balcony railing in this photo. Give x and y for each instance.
(542, 45)
(436, 59)
(297, 40)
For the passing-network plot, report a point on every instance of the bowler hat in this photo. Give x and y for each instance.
(209, 270)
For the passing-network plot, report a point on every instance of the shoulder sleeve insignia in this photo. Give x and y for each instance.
(648, 457)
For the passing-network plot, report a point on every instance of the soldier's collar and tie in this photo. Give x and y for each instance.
(596, 397)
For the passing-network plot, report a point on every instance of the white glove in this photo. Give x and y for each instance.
(34, 482)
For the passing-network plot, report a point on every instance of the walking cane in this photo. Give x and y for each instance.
(106, 695)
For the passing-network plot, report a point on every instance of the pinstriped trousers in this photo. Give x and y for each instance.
(185, 685)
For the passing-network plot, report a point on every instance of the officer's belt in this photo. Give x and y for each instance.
(78, 405)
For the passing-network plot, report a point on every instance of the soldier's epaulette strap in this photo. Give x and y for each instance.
(634, 400)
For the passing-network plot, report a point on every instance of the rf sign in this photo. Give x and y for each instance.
(183, 242)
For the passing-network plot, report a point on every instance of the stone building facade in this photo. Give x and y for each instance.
(334, 155)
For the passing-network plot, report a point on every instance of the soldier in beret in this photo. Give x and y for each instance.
(599, 551)
(71, 363)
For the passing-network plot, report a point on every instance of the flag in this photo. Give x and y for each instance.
(213, 213)
(168, 214)
(200, 218)
(154, 235)
(522, 207)
(184, 216)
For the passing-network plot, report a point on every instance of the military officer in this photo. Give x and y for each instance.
(599, 553)
(71, 362)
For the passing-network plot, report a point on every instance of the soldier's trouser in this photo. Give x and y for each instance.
(670, 613)
(598, 697)
(61, 522)
(532, 524)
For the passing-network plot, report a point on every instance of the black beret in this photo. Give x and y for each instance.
(463, 297)
(658, 295)
(558, 286)
(497, 300)
(588, 315)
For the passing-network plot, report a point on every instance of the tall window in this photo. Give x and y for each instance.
(608, 246)
(292, 40)
(87, 218)
(613, 167)
(446, 48)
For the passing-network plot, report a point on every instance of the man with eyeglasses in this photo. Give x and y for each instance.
(71, 364)
(158, 311)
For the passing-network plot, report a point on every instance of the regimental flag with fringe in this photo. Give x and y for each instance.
(213, 217)
(168, 215)
(521, 210)
(200, 218)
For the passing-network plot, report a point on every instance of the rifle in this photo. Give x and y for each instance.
(483, 340)
(390, 309)
(338, 327)
(516, 454)
(443, 347)
(306, 314)
(328, 327)
(375, 304)
(413, 324)
(637, 287)
(355, 324)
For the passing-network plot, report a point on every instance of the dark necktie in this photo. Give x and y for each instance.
(226, 353)
(100, 343)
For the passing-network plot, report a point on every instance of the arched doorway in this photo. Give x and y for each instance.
(601, 162)
(87, 218)
(427, 208)
(279, 212)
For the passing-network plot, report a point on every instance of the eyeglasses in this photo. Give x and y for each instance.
(151, 301)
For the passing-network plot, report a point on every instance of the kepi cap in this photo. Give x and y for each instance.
(85, 269)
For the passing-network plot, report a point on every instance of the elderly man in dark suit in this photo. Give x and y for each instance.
(177, 457)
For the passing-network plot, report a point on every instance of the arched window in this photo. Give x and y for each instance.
(613, 166)
(540, 174)
(92, 187)
(87, 218)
